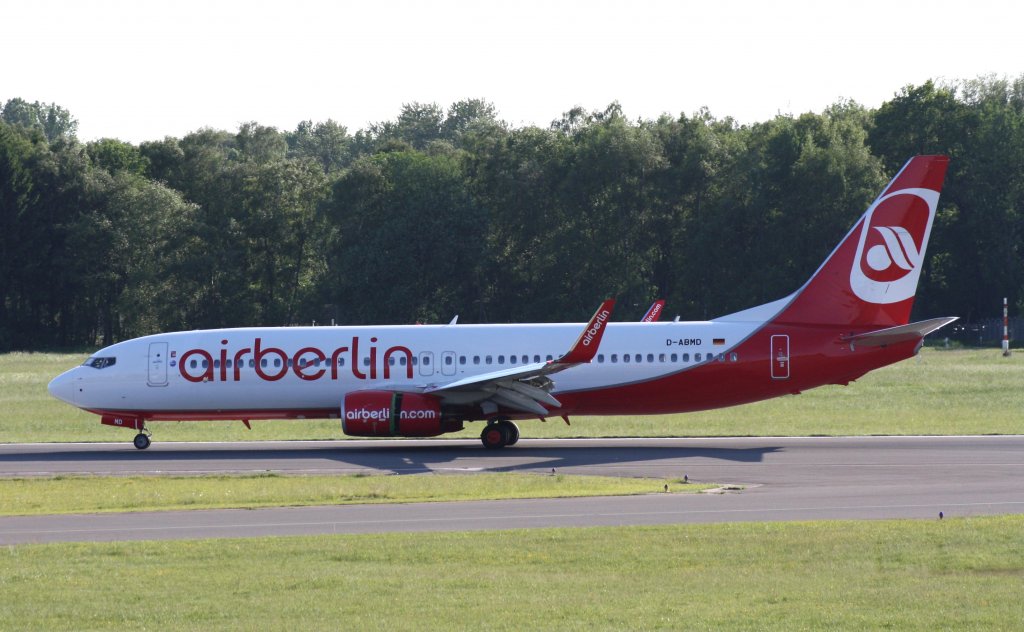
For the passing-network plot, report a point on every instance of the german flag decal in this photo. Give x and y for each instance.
(718, 341)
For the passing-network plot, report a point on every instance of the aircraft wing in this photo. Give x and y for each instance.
(526, 388)
(902, 333)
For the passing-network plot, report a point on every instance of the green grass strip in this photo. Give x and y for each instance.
(89, 494)
(955, 574)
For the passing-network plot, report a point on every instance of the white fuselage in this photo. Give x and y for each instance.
(311, 368)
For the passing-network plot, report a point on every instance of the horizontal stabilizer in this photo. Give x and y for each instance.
(903, 333)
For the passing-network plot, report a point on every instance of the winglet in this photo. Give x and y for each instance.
(586, 345)
(654, 313)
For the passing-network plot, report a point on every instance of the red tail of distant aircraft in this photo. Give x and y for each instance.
(851, 317)
(654, 312)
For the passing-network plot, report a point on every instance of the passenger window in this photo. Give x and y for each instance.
(426, 361)
(661, 357)
(501, 359)
(487, 359)
(625, 357)
(462, 359)
(549, 358)
(733, 357)
(536, 358)
(600, 358)
(206, 364)
(263, 363)
(391, 361)
(476, 359)
(192, 364)
(252, 363)
(401, 361)
(650, 357)
(674, 357)
(615, 358)
(686, 357)
(448, 360)
(341, 361)
(696, 357)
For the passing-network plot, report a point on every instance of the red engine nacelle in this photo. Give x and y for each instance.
(390, 414)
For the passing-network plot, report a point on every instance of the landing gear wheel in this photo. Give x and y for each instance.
(499, 434)
(513, 432)
(495, 436)
(141, 441)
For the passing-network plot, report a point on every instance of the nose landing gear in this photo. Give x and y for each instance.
(141, 440)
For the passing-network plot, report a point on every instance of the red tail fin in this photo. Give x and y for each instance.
(870, 279)
(654, 312)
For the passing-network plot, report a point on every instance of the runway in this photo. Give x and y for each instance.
(783, 479)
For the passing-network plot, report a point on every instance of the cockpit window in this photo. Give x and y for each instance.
(100, 363)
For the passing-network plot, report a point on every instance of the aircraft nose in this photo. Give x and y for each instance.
(63, 387)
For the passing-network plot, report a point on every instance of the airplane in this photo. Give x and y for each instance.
(852, 316)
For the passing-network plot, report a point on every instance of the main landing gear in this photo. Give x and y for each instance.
(499, 433)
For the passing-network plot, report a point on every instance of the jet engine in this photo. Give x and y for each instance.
(391, 414)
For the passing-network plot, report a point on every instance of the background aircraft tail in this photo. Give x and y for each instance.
(871, 278)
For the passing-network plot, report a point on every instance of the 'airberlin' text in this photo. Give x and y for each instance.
(588, 336)
(308, 363)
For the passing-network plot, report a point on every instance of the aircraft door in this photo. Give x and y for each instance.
(780, 357)
(448, 363)
(157, 375)
(426, 363)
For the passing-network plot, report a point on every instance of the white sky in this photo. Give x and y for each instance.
(139, 70)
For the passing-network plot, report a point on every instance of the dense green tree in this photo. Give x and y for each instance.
(438, 212)
(328, 143)
(408, 240)
(117, 156)
(53, 121)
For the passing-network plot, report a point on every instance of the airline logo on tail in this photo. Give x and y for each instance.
(892, 244)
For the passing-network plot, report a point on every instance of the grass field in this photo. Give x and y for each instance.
(955, 574)
(939, 392)
(91, 494)
(964, 574)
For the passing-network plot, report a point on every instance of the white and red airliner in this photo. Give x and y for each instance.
(419, 381)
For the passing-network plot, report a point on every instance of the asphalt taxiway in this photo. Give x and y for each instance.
(798, 478)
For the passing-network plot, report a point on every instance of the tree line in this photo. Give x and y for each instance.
(453, 211)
